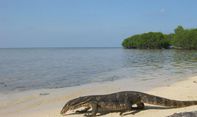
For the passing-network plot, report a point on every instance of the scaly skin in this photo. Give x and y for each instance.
(120, 102)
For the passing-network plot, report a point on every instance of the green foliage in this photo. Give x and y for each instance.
(179, 29)
(151, 40)
(181, 39)
(185, 38)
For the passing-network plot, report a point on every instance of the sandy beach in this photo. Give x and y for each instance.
(49, 102)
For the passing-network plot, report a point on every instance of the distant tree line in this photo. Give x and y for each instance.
(180, 39)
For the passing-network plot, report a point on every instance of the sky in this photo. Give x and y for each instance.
(88, 23)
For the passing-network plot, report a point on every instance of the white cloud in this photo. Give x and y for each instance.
(162, 10)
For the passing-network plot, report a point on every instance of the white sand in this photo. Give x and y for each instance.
(50, 102)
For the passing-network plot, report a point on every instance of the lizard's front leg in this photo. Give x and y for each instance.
(94, 109)
(83, 111)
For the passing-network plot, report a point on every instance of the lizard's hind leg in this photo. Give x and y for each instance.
(134, 110)
(140, 105)
(127, 109)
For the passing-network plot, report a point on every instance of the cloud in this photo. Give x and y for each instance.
(162, 10)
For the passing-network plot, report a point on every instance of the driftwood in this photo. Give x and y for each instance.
(185, 114)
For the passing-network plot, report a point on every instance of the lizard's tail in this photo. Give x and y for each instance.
(156, 100)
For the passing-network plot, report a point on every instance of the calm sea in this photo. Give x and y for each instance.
(38, 68)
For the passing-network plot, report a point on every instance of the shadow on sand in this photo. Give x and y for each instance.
(133, 111)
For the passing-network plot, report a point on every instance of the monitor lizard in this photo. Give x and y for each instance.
(120, 102)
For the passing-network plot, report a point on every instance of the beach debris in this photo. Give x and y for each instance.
(194, 81)
(184, 114)
(44, 94)
(3, 84)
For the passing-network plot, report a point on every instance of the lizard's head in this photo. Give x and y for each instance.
(73, 104)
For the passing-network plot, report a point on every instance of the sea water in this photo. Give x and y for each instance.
(43, 68)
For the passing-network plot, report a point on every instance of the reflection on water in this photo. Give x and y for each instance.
(24, 69)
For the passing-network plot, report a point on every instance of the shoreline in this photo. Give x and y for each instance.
(145, 82)
(49, 102)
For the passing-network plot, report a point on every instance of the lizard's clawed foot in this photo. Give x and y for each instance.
(89, 115)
